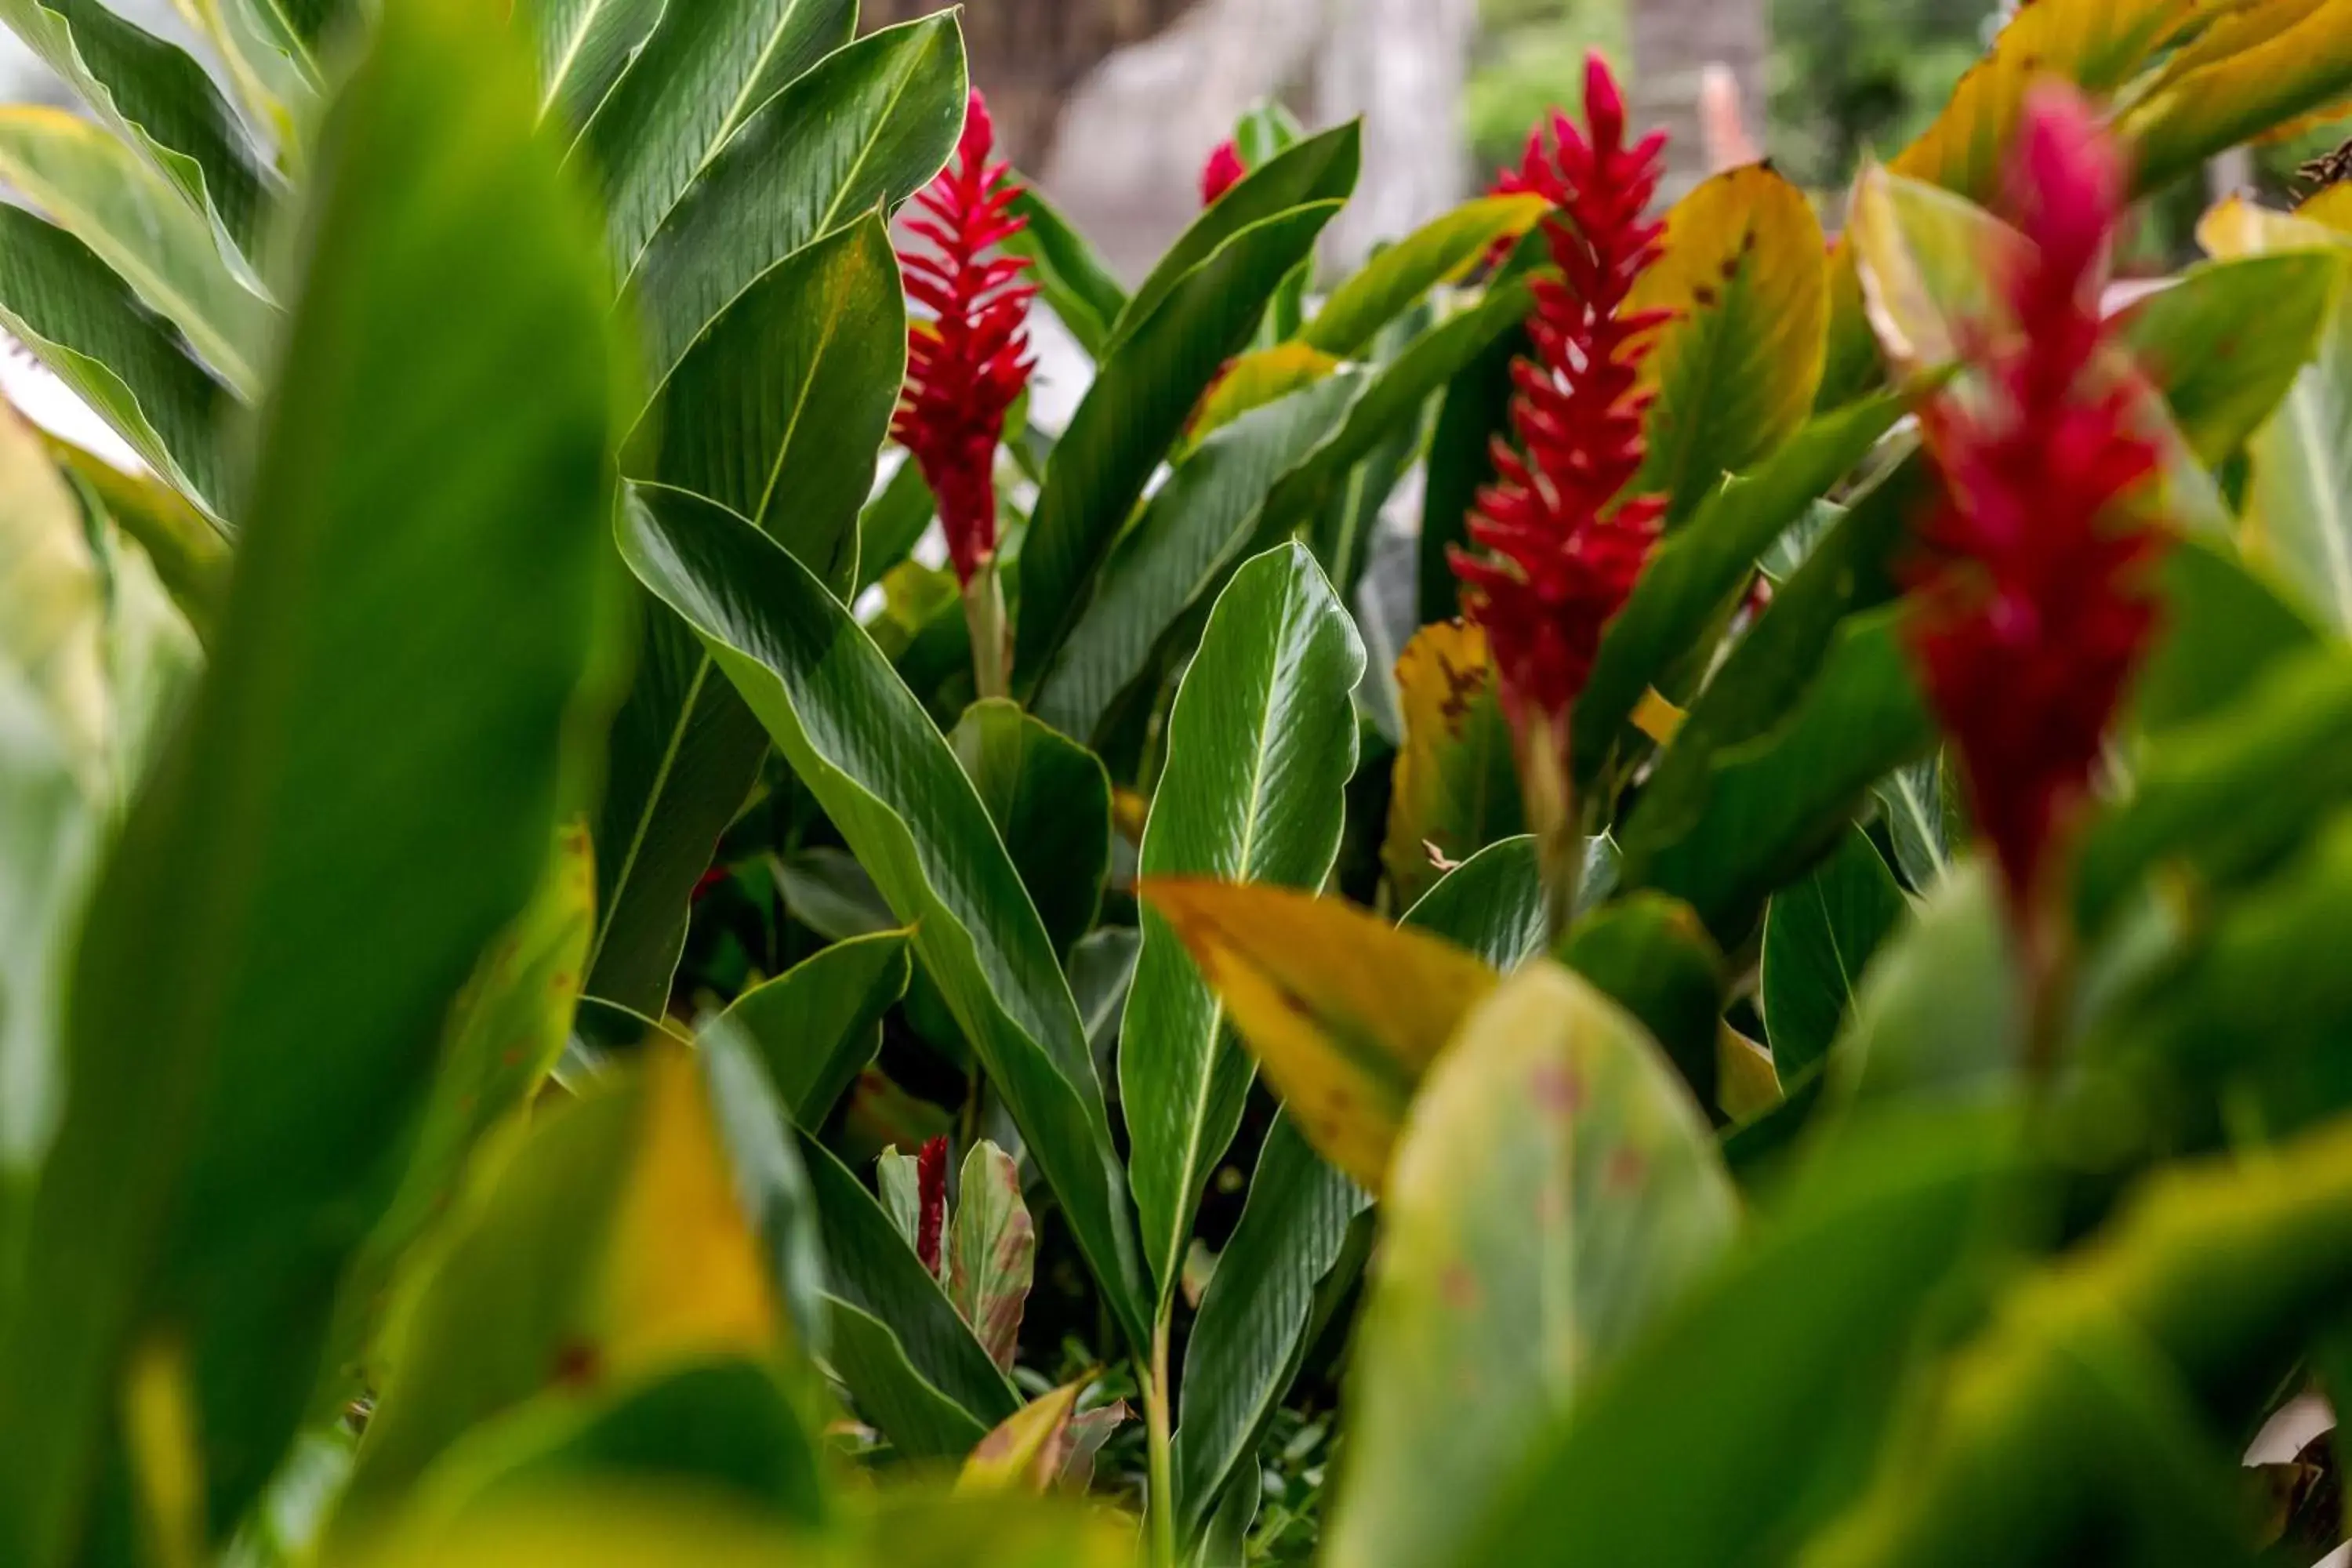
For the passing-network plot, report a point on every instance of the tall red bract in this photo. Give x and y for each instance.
(1567, 543)
(931, 1200)
(970, 362)
(2033, 611)
(1221, 172)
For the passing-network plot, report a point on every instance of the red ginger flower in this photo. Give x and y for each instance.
(968, 364)
(1220, 174)
(2031, 615)
(1567, 559)
(931, 1190)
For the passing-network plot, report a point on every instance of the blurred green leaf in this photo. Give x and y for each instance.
(2275, 72)
(1941, 1013)
(2227, 340)
(1475, 413)
(1438, 253)
(1920, 807)
(1554, 1191)
(1820, 936)
(1076, 284)
(1261, 746)
(865, 749)
(1050, 800)
(817, 1025)
(2220, 626)
(1651, 956)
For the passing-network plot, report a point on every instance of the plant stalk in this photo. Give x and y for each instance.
(1163, 1501)
(991, 639)
(1548, 792)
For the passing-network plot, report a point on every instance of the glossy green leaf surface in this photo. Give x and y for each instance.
(1261, 746)
(1820, 936)
(1136, 408)
(1555, 1190)
(867, 128)
(782, 407)
(1076, 284)
(862, 744)
(818, 1025)
(583, 47)
(1050, 800)
(891, 1391)
(704, 71)
(205, 1134)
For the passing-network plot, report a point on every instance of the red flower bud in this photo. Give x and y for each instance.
(931, 1188)
(968, 363)
(1220, 174)
(2031, 612)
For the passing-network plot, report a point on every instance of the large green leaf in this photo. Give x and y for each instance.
(427, 518)
(781, 408)
(1736, 370)
(1075, 282)
(1261, 746)
(1192, 532)
(1695, 574)
(161, 101)
(1321, 169)
(1137, 407)
(583, 47)
(121, 358)
(1050, 800)
(1264, 1305)
(1476, 412)
(706, 68)
(1940, 1015)
(2220, 626)
(920, 1421)
(142, 228)
(2227, 340)
(1493, 903)
(1555, 1189)
(1820, 936)
(1650, 955)
(819, 1024)
(1815, 1314)
(867, 128)
(864, 747)
(1437, 254)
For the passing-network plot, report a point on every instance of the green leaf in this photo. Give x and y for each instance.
(1477, 410)
(875, 1269)
(125, 361)
(921, 1422)
(1651, 956)
(1921, 811)
(1813, 1312)
(1438, 253)
(1192, 532)
(865, 749)
(992, 1251)
(705, 71)
(439, 438)
(1457, 786)
(892, 524)
(818, 1025)
(1259, 1315)
(2228, 339)
(162, 104)
(780, 409)
(1050, 800)
(1073, 281)
(1313, 172)
(584, 46)
(867, 128)
(683, 757)
(1261, 746)
(1939, 1015)
(771, 1184)
(1554, 1191)
(1736, 371)
(2220, 626)
(141, 226)
(1820, 936)
(1696, 572)
(1493, 903)
(2297, 523)
(1137, 407)
(1346, 534)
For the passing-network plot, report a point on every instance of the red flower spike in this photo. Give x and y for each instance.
(2031, 612)
(1220, 174)
(970, 362)
(1566, 549)
(931, 1187)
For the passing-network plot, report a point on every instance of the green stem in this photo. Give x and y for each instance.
(991, 641)
(1161, 1504)
(1547, 790)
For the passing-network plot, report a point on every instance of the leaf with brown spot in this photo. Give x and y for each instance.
(1457, 788)
(1343, 1010)
(1027, 1450)
(992, 1252)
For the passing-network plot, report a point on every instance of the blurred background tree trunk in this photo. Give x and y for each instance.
(1673, 43)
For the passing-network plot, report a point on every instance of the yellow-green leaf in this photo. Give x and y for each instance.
(1343, 1010)
(1026, 1451)
(1735, 373)
(1927, 260)
(2255, 69)
(1256, 380)
(1439, 253)
(1456, 789)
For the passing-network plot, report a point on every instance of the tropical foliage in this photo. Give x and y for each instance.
(581, 985)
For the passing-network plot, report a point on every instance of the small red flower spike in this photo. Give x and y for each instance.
(932, 1187)
(2031, 609)
(970, 362)
(1567, 545)
(1220, 174)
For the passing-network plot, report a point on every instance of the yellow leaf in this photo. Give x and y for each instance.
(1747, 1083)
(1927, 260)
(1745, 274)
(1456, 789)
(1258, 379)
(1658, 719)
(166, 1451)
(2257, 69)
(1026, 1451)
(1343, 1010)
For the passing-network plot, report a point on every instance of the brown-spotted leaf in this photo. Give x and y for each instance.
(992, 1251)
(1456, 789)
(1028, 1449)
(1343, 1010)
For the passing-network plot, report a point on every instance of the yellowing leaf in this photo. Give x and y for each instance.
(1456, 789)
(1258, 379)
(2257, 68)
(1735, 373)
(1927, 260)
(1026, 1451)
(1441, 252)
(1343, 1010)
(1658, 719)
